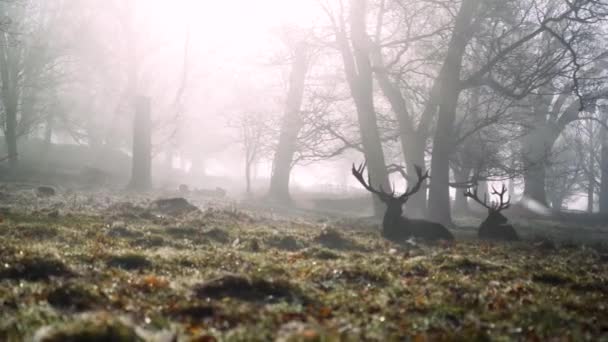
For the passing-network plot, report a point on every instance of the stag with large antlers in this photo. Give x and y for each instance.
(495, 226)
(395, 227)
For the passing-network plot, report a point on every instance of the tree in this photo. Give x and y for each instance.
(141, 174)
(29, 66)
(355, 48)
(549, 40)
(604, 163)
(255, 135)
(396, 84)
(291, 126)
(449, 93)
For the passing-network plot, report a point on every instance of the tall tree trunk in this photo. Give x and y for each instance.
(48, 139)
(11, 137)
(290, 129)
(604, 167)
(590, 196)
(141, 172)
(557, 202)
(10, 99)
(248, 178)
(49, 125)
(591, 169)
(461, 203)
(358, 68)
(534, 180)
(417, 205)
(439, 195)
(412, 141)
(536, 147)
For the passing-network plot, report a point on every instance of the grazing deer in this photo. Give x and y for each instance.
(395, 227)
(495, 226)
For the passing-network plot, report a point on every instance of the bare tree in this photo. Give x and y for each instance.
(29, 66)
(254, 135)
(141, 172)
(559, 27)
(394, 77)
(604, 163)
(355, 46)
(291, 126)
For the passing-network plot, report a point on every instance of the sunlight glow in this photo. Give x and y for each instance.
(228, 21)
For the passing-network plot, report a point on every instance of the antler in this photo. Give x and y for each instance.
(473, 195)
(502, 205)
(494, 206)
(385, 196)
(358, 173)
(421, 178)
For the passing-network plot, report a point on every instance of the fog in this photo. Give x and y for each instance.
(222, 82)
(303, 170)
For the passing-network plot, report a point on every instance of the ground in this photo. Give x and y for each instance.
(78, 266)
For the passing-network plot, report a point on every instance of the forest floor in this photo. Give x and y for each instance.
(75, 267)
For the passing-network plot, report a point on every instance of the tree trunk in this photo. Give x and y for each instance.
(47, 139)
(534, 181)
(417, 204)
(11, 137)
(412, 141)
(511, 188)
(439, 195)
(358, 68)
(590, 196)
(591, 168)
(141, 172)
(290, 129)
(461, 203)
(557, 202)
(48, 129)
(604, 168)
(536, 147)
(248, 178)
(10, 100)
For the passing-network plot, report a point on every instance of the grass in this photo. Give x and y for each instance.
(233, 275)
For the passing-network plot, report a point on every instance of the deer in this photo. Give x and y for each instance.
(495, 226)
(395, 226)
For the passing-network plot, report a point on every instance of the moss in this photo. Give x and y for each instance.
(183, 232)
(193, 312)
(286, 243)
(149, 241)
(375, 291)
(33, 232)
(551, 278)
(321, 253)
(90, 331)
(129, 261)
(465, 265)
(35, 268)
(333, 239)
(75, 297)
(245, 288)
(124, 232)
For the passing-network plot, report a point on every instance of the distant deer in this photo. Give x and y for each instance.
(495, 226)
(395, 227)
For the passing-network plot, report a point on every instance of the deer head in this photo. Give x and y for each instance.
(394, 203)
(494, 207)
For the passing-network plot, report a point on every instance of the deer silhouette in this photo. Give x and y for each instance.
(495, 226)
(395, 227)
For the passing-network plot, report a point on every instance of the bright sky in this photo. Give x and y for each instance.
(231, 44)
(229, 20)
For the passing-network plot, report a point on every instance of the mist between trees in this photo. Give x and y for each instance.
(147, 94)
